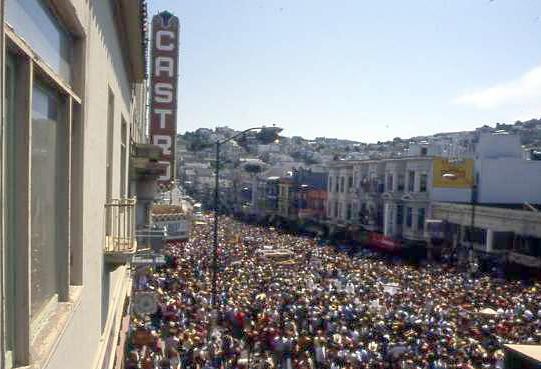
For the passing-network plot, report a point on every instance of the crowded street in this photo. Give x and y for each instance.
(285, 301)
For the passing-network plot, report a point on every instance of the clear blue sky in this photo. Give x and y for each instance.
(361, 69)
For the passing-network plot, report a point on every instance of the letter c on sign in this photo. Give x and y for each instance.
(160, 36)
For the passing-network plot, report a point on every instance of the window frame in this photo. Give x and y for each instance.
(32, 68)
(61, 187)
(52, 10)
(423, 187)
(421, 217)
(389, 184)
(401, 182)
(9, 214)
(123, 158)
(330, 183)
(399, 215)
(411, 181)
(409, 217)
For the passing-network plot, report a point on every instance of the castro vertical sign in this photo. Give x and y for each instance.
(163, 90)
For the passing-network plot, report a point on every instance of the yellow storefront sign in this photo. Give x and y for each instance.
(452, 174)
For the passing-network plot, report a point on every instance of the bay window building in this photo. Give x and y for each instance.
(387, 203)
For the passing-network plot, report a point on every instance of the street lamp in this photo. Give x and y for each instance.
(266, 135)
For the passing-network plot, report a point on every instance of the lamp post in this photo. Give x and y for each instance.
(266, 135)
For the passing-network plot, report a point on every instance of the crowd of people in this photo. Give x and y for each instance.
(320, 309)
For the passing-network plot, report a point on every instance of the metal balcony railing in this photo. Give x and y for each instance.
(120, 241)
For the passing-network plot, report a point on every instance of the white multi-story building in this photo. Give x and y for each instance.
(394, 196)
(390, 196)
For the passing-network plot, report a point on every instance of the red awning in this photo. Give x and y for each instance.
(382, 242)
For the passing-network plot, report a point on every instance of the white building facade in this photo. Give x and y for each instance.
(394, 197)
(389, 196)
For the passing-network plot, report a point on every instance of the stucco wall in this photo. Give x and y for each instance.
(105, 70)
(509, 180)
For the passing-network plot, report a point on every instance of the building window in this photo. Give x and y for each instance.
(337, 185)
(409, 217)
(400, 184)
(478, 235)
(348, 212)
(399, 215)
(342, 182)
(421, 219)
(423, 183)
(389, 182)
(350, 182)
(336, 209)
(41, 258)
(110, 142)
(411, 180)
(330, 184)
(109, 160)
(33, 21)
(380, 185)
(48, 147)
(123, 158)
(10, 198)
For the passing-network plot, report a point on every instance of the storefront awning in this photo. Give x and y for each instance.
(382, 242)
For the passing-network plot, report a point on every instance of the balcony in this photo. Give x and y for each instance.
(120, 242)
(152, 152)
(145, 161)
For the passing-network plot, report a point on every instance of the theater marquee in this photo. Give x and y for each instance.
(163, 90)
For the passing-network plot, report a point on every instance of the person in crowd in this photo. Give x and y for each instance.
(321, 309)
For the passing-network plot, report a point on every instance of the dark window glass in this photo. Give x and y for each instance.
(411, 180)
(400, 184)
(423, 183)
(389, 182)
(421, 219)
(477, 236)
(399, 214)
(409, 216)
